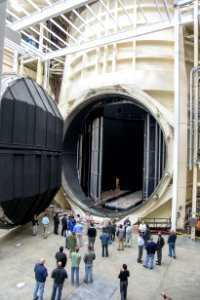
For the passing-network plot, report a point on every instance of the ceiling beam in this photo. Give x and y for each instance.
(109, 39)
(48, 12)
(119, 36)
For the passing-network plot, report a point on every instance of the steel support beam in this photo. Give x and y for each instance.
(49, 12)
(113, 38)
(119, 36)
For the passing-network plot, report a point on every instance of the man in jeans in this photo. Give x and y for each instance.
(76, 259)
(78, 228)
(105, 238)
(151, 249)
(172, 244)
(88, 260)
(59, 274)
(40, 277)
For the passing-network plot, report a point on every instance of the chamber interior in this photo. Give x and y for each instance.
(119, 155)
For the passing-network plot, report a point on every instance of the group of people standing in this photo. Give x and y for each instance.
(145, 240)
(59, 274)
(72, 230)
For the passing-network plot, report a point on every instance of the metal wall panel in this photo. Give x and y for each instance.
(154, 156)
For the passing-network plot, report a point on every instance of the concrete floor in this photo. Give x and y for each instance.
(19, 251)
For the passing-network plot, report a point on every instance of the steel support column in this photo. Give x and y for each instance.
(46, 75)
(39, 75)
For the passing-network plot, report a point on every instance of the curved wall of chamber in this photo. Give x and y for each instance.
(30, 150)
(142, 68)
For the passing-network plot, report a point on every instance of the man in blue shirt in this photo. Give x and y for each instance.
(40, 277)
(78, 228)
(45, 223)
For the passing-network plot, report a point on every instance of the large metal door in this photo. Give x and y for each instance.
(154, 155)
(96, 158)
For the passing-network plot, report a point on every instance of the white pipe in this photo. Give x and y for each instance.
(191, 117)
(194, 181)
(176, 118)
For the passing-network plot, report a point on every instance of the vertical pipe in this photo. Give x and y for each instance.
(192, 72)
(176, 117)
(191, 120)
(2, 34)
(46, 75)
(195, 141)
(15, 62)
(196, 120)
(39, 75)
(21, 67)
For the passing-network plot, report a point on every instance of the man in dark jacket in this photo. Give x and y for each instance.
(61, 256)
(172, 244)
(105, 238)
(64, 224)
(59, 275)
(92, 233)
(40, 277)
(147, 234)
(159, 245)
(109, 230)
(123, 276)
(151, 249)
(56, 222)
(88, 260)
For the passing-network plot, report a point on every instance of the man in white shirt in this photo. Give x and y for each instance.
(142, 227)
(45, 222)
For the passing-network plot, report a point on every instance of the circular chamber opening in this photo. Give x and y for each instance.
(114, 155)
